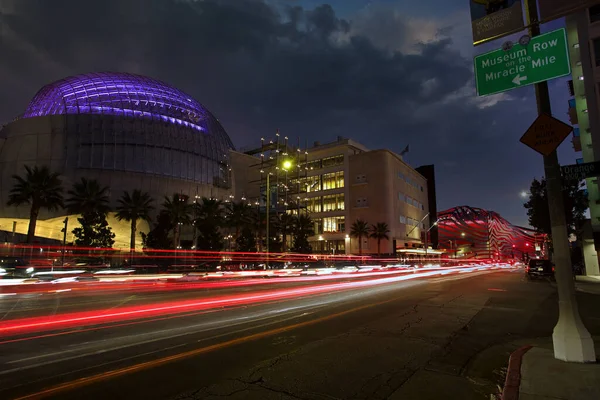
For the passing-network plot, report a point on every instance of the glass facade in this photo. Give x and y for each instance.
(333, 224)
(126, 122)
(334, 202)
(334, 180)
(316, 183)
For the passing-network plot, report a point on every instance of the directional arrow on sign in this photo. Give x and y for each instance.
(544, 57)
(518, 79)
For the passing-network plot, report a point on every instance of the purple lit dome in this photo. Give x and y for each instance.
(123, 94)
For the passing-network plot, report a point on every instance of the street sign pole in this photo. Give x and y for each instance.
(572, 341)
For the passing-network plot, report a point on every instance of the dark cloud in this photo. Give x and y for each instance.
(259, 69)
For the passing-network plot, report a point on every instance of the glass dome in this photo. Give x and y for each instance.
(119, 94)
(125, 122)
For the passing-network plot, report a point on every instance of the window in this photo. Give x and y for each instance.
(311, 183)
(333, 224)
(333, 180)
(313, 205)
(361, 178)
(402, 219)
(333, 161)
(334, 202)
(318, 225)
(401, 175)
(362, 202)
(594, 13)
(596, 44)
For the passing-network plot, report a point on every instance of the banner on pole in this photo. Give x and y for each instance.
(492, 19)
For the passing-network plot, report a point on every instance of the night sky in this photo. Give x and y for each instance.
(386, 73)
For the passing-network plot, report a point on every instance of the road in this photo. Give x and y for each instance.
(356, 341)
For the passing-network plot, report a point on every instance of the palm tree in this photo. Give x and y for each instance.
(303, 227)
(133, 207)
(359, 229)
(208, 220)
(379, 231)
(286, 224)
(238, 216)
(88, 196)
(178, 210)
(40, 188)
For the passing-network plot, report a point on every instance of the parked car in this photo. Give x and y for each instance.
(539, 269)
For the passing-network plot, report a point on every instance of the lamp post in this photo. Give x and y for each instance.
(286, 166)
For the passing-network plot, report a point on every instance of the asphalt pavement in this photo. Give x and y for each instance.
(387, 341)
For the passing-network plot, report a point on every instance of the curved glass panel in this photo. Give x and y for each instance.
(123, 94)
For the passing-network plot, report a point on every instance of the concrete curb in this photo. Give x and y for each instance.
(513, 374)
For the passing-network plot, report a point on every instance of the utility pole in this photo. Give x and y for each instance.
(572, 341)
(64, 230)
(268, 204)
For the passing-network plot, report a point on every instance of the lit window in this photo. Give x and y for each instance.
(334, 202)
(333, 224)
(314, 204)
(334, 180)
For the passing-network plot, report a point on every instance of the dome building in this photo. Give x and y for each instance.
(127, 131)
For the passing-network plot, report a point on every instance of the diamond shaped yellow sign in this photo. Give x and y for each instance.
(546, 134)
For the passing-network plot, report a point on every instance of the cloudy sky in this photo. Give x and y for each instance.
(386, 73)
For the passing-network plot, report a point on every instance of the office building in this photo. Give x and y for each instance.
(340, 182)
(583, 33)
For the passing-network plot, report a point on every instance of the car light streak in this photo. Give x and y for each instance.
(95, 317)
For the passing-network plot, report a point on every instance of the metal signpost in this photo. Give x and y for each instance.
(544, 57)
(570, 338)
(536, 59)
(580, 171)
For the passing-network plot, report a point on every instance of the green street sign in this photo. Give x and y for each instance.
(545, 57)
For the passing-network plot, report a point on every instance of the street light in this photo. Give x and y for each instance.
(286, 166)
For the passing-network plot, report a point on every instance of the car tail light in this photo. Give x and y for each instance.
(527, 268)
(553, 269)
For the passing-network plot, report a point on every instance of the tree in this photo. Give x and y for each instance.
(380, 232)
(302, 228)
(178, 210)
(209, 218)
(246, 241)
(286, 224)
(158, 237)
(40, 188)
(94, 231)
(87, 196)
(275, 243)
(359, 229)
(237, 216)
(575, 201)
(133, 207)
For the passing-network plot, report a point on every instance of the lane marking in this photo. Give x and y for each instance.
(220, 324)
(161, 361)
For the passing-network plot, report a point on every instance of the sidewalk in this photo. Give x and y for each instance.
(586, 278)
(534, 374)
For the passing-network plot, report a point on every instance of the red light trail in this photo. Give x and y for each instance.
(96, 317)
